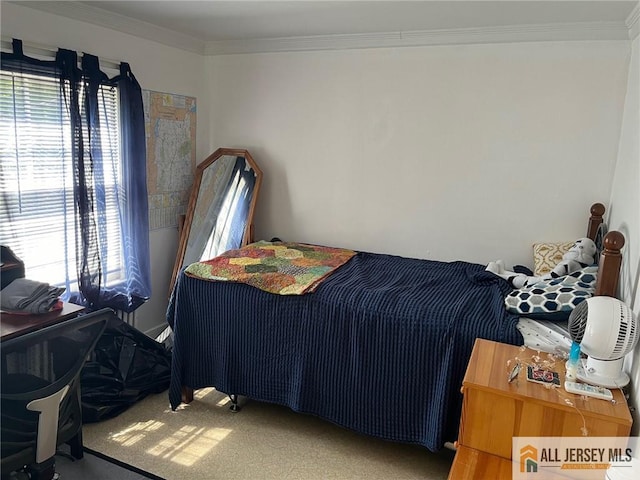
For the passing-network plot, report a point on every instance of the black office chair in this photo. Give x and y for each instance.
(40, 395)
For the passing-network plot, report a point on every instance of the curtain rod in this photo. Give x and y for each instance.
(50, 52)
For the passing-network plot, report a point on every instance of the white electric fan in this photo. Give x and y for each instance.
(606, 330)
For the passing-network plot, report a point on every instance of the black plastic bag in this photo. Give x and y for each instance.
(125, 367)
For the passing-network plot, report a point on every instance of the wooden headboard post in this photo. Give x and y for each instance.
(609, 265)
(595, 220)
(610, 258)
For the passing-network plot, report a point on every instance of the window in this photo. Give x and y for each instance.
(37, 220)
(73, 189)
(73, 180)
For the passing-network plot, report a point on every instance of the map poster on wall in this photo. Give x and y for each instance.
(170, 129)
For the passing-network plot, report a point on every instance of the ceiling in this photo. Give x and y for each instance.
(205, 26)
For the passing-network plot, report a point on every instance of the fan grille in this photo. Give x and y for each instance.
(615, 325)
(627, 331)
(578, 322)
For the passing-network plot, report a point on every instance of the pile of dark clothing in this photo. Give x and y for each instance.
(29, 296)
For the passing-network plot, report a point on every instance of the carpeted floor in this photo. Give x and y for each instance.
(92, 466)
(205, 440)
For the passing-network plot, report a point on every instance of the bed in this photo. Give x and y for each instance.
(552, 335)
(380, 346)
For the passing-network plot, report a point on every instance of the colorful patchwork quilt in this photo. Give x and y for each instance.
(276, 267)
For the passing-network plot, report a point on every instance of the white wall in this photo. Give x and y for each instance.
(157, 67)
(451, 152)
(625, 211)
(448, 152)
(456, 152)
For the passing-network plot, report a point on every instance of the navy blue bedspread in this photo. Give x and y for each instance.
(381, 347)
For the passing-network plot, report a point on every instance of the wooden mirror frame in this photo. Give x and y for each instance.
(185, 229)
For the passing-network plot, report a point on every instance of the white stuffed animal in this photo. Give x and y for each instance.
(580, 255)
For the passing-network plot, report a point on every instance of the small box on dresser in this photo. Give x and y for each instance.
(495, 410)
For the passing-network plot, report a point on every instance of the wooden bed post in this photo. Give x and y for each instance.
(595, 220)
(609, 265)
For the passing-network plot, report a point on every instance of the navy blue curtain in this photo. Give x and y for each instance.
(135, 225)
(80, 92)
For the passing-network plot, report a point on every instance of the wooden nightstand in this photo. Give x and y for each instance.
(495, 410)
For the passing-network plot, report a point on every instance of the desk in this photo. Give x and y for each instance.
(13, 325)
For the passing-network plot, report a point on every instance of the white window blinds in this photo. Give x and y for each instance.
(36, 179)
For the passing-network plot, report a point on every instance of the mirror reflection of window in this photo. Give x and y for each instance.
(212, 193)
(220, 220)
(231, 222)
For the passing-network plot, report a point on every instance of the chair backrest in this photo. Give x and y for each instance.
(38, 367)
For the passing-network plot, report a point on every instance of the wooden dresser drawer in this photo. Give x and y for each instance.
(470, 463)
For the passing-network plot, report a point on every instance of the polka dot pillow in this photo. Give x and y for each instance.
(553, 299)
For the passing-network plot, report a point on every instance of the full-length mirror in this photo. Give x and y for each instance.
(220, 211)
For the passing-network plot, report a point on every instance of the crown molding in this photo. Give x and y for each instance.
(504, 34)
(97, 16)
(633, 22)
